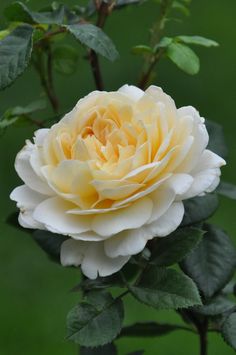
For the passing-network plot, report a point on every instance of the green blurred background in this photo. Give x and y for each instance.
(34, 292)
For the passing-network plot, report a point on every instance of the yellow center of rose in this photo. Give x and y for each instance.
(112, 148)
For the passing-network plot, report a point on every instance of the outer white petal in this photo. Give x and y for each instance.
(97, 263)
(26, 220)
(200, 142)
(72, 252)
(180, 183)
(167, 223)
(133, 241)
(40, 135)
(27, 174)
(208, 160)
(27, 200)
(202, 182)
(214, 184)
(206, 174)
(94, 262)
(129, 242)
(162, 199)
(53, 214)
(132, 91)
(25, 197)
(88, 237)
(134, 216)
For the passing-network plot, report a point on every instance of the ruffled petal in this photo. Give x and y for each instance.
(132, 92)
(205, 175)
(167, 223)
(53, 214)
(129, 242)
(26, 197)
(27, 174)
(92, 258)
(134, 216)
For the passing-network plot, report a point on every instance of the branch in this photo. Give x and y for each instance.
(103, 9)
(52, 96)
(156, 32)
(46, 81)
(203, 337)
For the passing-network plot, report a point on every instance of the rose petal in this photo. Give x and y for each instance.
(205, 174)
(125, 243)
(52, 213)
(132, 92)
(92, 257)
(27, 174)
(72, 252)
(26, 220)
(180, 183)
(25, 197)
(130, 217)
(162, 199)
(40, 135)
(167, 223)
(143, 193)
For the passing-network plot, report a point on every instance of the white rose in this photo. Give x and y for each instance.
(112, 175)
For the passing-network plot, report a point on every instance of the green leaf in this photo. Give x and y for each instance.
(212, 263)
(26, 110)
(176, 246)
(198, 40)
(217, 141)
(4, 33)
(50, 243)
(178, 6)
(15, 52)
(199, 209)
(184, 57)
(148, 329)
(229, 288)
(65, 59)
(4, 123)
(227, 189)
(142, 49)
(94, 38)
(166, 289)
(96, 321)
(229, 330)
(216, 306)
(108, 349)
(164, 43)
(20, 12)
(18, 114)
(122, 3)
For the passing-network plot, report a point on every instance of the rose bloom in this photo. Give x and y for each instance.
(113, 173)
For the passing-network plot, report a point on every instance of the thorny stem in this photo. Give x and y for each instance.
(156, 32)
(103, 9)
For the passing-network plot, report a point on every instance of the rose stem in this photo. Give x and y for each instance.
(203, 337)
(103, 9)
(201, 327)
(46, 80)
(156, 32)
